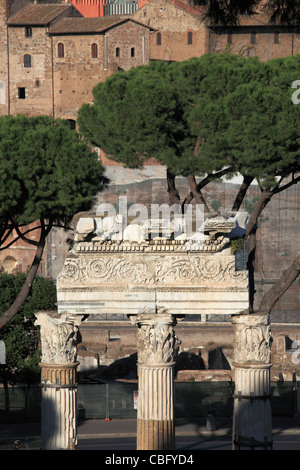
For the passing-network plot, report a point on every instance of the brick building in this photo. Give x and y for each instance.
(181, 32)
(56, 57)
(51, 58)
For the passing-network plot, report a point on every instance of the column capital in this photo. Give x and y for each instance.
(156, 338)
(59, 335)
(252, 339)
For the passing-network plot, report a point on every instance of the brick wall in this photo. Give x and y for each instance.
(268, 44)
(3, 59)
(77, 72)
(37, 79)
(173, 25)
(19, 256)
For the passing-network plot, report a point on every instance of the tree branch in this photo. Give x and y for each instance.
(242, 193)
(6, 317)
(173, 193)
(273, 295)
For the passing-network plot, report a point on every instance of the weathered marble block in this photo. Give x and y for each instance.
(183, 276)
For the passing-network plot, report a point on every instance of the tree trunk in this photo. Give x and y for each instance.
(251, 268)
(259, 206)
(25, 290)
(173, 193)
(251, 230)
(273, 295)
(196, 192)
(242, 193)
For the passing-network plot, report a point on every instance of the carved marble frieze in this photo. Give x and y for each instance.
(152, 271)
(123, 276)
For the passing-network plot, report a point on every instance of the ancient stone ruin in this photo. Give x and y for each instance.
(154, 274)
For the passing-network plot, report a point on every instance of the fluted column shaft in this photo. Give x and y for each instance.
(155, 416)
(252, 417)
(58, 381)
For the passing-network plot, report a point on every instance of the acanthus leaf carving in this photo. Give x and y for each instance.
(59, 336)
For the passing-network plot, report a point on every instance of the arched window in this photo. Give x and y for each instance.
(60, 50)
(72, 123)
(117, 52)
(94, 50)
(27, 60)
(190, 37)
(253, 37)
(158, 39)
(132, 52)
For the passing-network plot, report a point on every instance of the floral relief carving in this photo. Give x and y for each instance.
(199, 269)
(252, 339)
(58, 337)
(156, 339)
(105, 270)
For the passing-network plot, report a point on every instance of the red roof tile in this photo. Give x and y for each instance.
(88, 25)
(38, 14)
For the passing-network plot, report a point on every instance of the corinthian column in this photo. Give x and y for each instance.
(252, 418)
(155, 414)
(58, 380)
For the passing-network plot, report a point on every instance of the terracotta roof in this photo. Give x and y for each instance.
(89, 25)
(38, 14)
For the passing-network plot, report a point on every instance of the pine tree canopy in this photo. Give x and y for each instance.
(46, 170)
(201, 115)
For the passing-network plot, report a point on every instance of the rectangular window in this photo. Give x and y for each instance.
(190, 37)
(27, 60)
(253, 38)
(28, 32)
(276, 37)
(21, 93)
(94, 50)
(60, 50)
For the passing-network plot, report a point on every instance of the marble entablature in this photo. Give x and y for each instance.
(111, 270)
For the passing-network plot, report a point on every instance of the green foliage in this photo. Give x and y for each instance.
(21, 336)
(252, 124)
(236, 245)
(46, 170)
(136, 115)
(237, 110)
(215, 204)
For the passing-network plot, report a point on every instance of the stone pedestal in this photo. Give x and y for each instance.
(58, 380)
(252, 418)
(155, 415)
